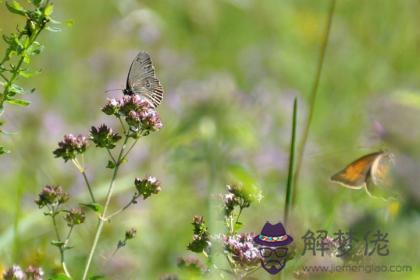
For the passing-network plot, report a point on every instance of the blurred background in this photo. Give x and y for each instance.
(230, 69)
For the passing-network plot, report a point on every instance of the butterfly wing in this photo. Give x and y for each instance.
(356, 174)
(142, 79)
(381, 168)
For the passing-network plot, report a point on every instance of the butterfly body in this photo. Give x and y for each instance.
(363, 170)
(142, 80)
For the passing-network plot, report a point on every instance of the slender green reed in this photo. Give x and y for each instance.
(312, 99)
(289, 189)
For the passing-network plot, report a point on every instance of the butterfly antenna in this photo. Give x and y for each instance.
(115, 89)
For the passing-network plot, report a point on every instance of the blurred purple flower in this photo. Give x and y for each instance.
(34, 273)
(14, 273)
(241, 249)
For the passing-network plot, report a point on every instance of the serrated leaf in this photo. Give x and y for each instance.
(110, 165)
(16, 8)
(57, 243)
(49, 10)
(93, 206)
(53, 29)
(18, 102)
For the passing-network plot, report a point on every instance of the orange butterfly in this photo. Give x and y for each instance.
(369, 169)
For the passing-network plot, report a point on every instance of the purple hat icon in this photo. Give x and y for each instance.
(273, 236)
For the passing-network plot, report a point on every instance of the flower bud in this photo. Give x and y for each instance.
(130, 234)
(147, 187)
(75, 216)
(52, 195)
(104, 137)
(71, 146)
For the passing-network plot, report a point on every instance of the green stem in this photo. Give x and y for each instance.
(312, 99)
(289, 189)
(81, 168)
(92, 197)
(129, 149)
(122, 209)
(111, 156)
(102, 218)
(60, 248)
(9, 83)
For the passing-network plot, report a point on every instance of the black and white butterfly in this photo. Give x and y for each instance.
(142, 80)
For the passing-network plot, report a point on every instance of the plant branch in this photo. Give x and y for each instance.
(129, 149)
(60, 246)
(111, 156)
(81, 168)
(132, 201)
(101, 219)
(3, 96)
(312, 99)
(92, 197)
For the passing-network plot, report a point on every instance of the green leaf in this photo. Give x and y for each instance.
(26, 58)
(53, 29)
(57, 243)
(3, 151)
(48, 10)
(36, 2)
(15, 89)
(110, 165)
(27, 74)
(238, 226)
(95, 277)
(16, 8)
(93, 206)
(35, 48)
(59, 277)
(18, 102)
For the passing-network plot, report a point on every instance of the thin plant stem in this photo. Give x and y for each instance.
(92, 197)
(237, 219)
(289, 188)
(129, 149)
(81, 168)
(111, 156)
(312, 99)
(101, 219)
(122, 125)
(121, 209)
(60, 247)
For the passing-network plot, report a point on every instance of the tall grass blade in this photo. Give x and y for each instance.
(312, 99)
(289, 190)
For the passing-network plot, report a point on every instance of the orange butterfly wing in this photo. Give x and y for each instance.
(356, 173)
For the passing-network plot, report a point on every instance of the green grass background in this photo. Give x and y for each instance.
(230, 69)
